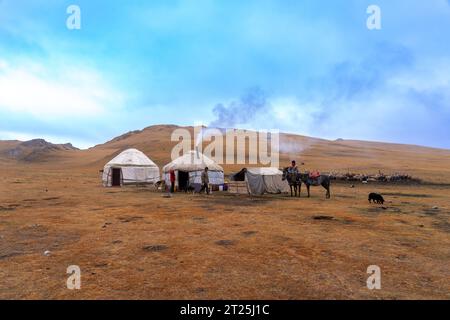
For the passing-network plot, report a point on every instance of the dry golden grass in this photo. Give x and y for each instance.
(132, 243)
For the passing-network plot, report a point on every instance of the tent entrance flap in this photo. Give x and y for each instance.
(116, 175)
(183, 180)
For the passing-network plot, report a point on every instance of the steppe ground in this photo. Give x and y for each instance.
(132, 243)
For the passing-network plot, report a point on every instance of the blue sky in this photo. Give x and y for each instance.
(309, 67)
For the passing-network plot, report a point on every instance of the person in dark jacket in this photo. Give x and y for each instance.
(205, 181)
(293, 169)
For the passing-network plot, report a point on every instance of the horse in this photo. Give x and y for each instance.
(294, 181)
(321, 180)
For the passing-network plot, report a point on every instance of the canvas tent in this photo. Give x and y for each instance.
(130, 167)
(188, 169)
(262, 180)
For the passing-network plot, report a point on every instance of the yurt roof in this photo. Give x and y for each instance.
(192, 161)
(131, 158)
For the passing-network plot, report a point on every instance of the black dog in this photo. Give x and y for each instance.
(376, 198)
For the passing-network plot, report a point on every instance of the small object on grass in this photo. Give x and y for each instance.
(155, 248)
(225, 242)
(249, 233)
(106, 224)
(47, 253)
(323, 218)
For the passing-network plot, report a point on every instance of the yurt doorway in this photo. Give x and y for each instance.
(183, 180)
(116, 173)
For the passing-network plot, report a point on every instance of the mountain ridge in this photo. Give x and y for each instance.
(31, 150)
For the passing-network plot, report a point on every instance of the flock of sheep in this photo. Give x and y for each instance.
(380, 177)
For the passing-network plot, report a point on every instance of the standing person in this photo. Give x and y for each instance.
(172, 181)
(205, 181)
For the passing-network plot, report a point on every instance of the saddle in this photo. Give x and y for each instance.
(314, 175)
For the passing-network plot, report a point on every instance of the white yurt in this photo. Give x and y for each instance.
(188, 170)
(262, 180)
(130, 167)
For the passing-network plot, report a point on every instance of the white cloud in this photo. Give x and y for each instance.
(427, 75)
(54, 91)
(294, 115)
(284, 113)
(3, 65)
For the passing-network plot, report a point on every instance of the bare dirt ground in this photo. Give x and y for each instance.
(132, 243)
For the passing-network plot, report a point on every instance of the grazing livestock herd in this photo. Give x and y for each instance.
(380, 177)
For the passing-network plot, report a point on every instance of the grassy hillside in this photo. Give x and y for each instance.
(328, 156)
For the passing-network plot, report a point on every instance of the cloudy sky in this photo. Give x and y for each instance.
(310, 67)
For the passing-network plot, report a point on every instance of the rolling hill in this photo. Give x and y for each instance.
(429, 164)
